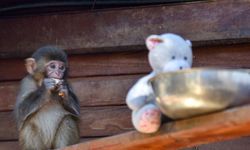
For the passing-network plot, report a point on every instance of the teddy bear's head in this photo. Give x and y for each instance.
(169, 52)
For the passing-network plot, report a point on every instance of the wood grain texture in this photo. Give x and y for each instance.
(94, 91)
(123, 63)
(180, 134)
(111, 90)
(86, 65)
(9, 145)
(14, 145)
(123, 29)
(235, 144)
(230, 56)
(94, 122)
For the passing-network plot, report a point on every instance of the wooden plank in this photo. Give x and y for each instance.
(231, 56)
(219, 126)
(100, 90)
(13, 145)
(9, 145)
(239, 144)
(86, 65)
(236, 144)
(105, 121)
(94, 122)
(123, 29)
(95, 91)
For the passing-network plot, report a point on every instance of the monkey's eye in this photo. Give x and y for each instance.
(61, 67)
(52, 66)
(173, 57)
(185, 58)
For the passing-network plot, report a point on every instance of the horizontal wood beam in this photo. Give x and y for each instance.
(86, 65)
(239, 144)
(14, 145)
(122, 29)
(95, 91)
(7, 145)
(219, 126)
(123, 63)
(99, 91)
(94, 122)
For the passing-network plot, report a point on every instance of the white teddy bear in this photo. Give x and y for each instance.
(167, 52)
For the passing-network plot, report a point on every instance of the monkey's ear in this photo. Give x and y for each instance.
(30, 64)
(152, 41)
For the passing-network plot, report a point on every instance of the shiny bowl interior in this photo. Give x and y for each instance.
(192, 92)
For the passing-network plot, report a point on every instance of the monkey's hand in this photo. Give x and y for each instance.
(50, 84)
(63, 91)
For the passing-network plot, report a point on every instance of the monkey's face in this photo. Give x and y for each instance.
(55, 69)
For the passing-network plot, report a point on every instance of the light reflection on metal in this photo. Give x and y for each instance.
(192, 92)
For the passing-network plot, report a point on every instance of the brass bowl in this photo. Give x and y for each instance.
(192, 92)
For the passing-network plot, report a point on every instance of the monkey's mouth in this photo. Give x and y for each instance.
(55, 75)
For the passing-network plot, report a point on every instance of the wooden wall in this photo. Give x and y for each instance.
(107, 55)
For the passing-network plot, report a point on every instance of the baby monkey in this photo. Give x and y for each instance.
(47, 111)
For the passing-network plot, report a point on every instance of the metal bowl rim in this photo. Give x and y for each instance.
(193, 70)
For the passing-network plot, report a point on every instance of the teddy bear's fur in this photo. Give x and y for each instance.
(167, 52)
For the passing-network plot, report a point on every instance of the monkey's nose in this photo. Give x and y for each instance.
(181, 67)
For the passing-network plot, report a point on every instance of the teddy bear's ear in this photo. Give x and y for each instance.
(152, 41)
(189, 43)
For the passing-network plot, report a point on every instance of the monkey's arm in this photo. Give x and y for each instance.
(70, 101)
(29, 99)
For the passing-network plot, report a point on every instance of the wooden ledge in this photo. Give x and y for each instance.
(228, 124)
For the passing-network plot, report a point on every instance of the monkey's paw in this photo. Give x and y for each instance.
(50, 84)
(150, 120)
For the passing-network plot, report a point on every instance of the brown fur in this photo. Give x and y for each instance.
(44, 119)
